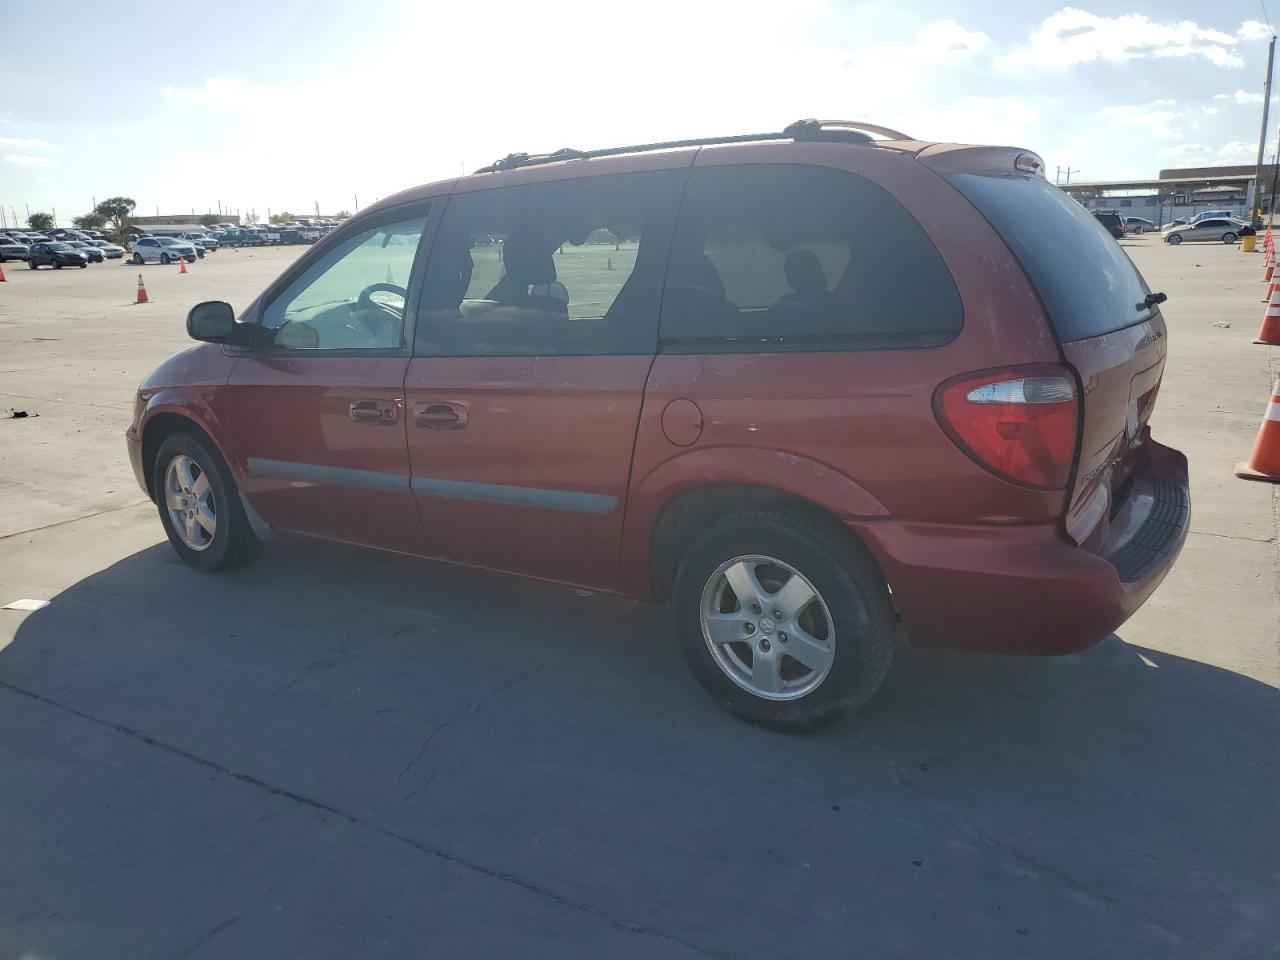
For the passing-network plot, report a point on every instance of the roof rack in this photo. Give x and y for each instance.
(840, 131)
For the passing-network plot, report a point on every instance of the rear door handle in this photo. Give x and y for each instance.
(375, 411)
(440, 416)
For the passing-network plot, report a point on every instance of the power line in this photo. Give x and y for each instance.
(1266, 17)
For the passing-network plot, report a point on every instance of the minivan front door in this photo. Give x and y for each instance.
(316, 408)
(536, 333)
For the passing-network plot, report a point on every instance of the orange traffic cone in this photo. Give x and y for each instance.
(2, 280)
(1271, 269)
(1264, 462)
(1267, 240)
(182, 264)
(1271, 289)
(142, 292)
(1270, 332)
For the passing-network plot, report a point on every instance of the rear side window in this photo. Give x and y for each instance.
(568, 267)
(776, 257)
(1085, 280)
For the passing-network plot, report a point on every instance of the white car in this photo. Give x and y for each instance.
(1218, 229)
(162, 250)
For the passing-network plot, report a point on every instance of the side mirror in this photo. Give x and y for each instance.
(212, 321)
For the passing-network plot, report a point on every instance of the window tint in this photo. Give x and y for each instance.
(352, 298)
(1085, 280)
(790, 257)
(560, 268)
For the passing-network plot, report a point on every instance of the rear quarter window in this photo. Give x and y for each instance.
(1085, 280)
(777, 257)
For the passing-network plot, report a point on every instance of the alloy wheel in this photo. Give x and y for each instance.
(189, 499)
(767, 627)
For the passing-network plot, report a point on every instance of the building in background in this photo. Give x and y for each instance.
(1177, 193)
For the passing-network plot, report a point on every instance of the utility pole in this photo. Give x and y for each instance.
(1255, 216)
(357, 200)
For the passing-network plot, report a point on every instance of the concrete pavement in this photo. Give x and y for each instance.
(339, 753)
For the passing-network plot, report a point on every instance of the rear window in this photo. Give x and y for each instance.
(1085, 280)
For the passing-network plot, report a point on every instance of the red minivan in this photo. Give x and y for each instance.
(815, 388)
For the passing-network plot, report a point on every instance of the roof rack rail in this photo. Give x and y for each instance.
(844, 131)
(840, 130)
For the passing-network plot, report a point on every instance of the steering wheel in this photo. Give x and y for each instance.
(365, 300)
(365, 305)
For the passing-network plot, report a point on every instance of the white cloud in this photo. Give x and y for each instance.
(948, 42)
(1238, 149)
(1206, 111)
(1145, 117)
(1164, 103)
(1073, 36)
(1253, 30)
(24, 143)
(1245, 96)
(28, 160)
(1184, 150)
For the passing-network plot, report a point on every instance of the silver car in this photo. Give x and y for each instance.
(1218, 229)
(162, 250)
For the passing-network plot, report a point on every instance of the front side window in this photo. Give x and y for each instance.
(569, 267)
(789, 257)
(353, 298)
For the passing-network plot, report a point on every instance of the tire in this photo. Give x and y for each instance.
(31, 264)
(83, 265)
(233, 542)
(137, 259)
(850, 605)
(1228, 237)
(164, 258)
(1139, 230)
(57, 264)
(1174, 239)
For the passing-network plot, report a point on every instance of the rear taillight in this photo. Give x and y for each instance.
(1018, 424)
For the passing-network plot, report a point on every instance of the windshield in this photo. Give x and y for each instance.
(1087, 283)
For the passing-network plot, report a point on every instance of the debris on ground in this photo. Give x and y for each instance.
(20, 414)
(1222, 323)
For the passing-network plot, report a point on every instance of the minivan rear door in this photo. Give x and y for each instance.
(1109, 329)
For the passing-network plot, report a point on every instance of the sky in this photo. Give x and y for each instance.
(289, 104)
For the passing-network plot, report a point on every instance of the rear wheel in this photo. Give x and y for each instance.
(57, 264)
(783, 620)
(164, 258)
(200, 506)
(83, 265)
(32, 264)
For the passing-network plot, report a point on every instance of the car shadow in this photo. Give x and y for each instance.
(555, 740)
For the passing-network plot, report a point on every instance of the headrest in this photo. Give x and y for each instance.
(804, 272)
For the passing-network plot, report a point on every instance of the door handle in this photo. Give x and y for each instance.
(440, 416)
(375, 411)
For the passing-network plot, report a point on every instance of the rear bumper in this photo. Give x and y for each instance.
(1028, 589)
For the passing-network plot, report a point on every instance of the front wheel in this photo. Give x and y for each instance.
(1228, 237)
(200, 506)
(1139, 230)
(31, 264)
(57, 264)
(1175, 240)
(83, 265)
(784, 620)
(137, 258)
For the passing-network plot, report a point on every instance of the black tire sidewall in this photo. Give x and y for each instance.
(848, 582)
(232, 525)
(1175, 240)
(1228, 237)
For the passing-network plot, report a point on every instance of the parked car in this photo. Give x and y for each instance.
(270, 233)
(1218, 229)
(88, 249)
(56, 254)
(11, 249)
(35, 238)
(162, 250)
(201, 240)
(245, 237)
(112, 251)
(1213, 215)
(1111, 221)
(1138, 225)
(66, 234)
(801, 439)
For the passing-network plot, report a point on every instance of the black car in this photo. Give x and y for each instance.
(11, 249)
(88, 249)
(1112, 221)
(57, 255)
